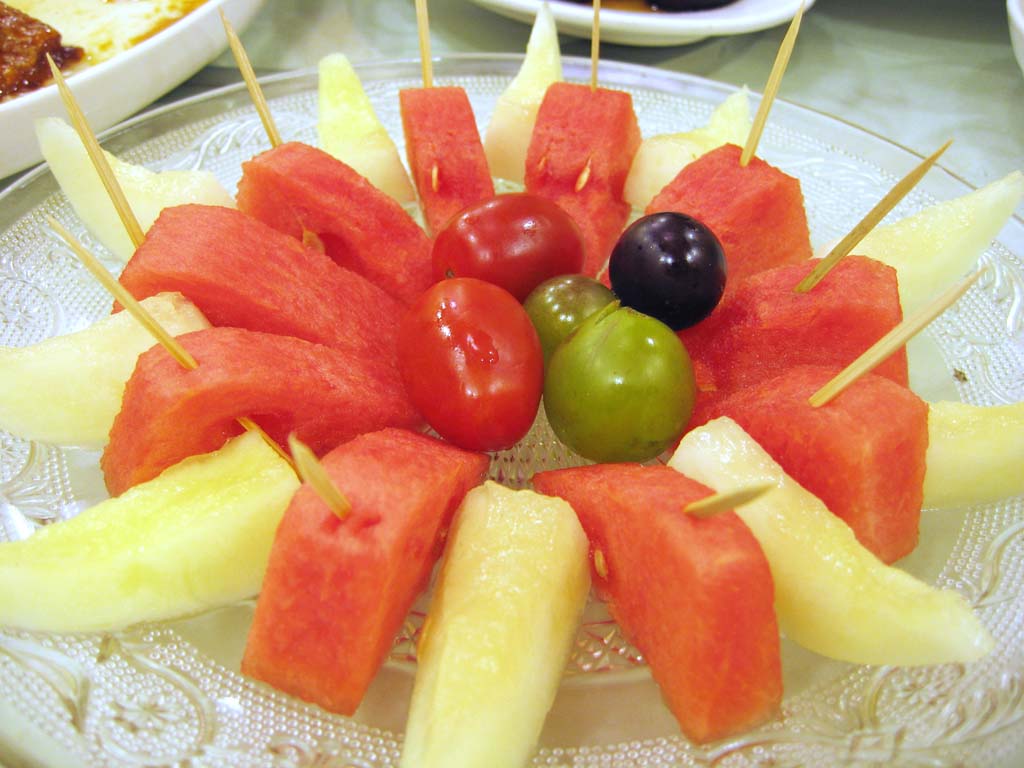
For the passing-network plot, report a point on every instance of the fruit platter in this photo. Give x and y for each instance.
(171, 693)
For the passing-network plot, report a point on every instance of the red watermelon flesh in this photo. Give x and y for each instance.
(242, 273)
(445, 154)
(757, 211)
(695, 595)
(283, 383)
(298, 189)
(336, 591)
(580, 153)
(764, 327)
(862, 454)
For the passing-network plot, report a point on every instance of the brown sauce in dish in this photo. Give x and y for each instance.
(24, 43)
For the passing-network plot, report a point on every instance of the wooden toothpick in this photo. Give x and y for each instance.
(870, 221)
(126, 300)
(728, 500)
(312, 472)
(595, 44)
(249, 76)
(774, 79)
(423, 28)
(893, 340)
(132, 306)
(99, 160)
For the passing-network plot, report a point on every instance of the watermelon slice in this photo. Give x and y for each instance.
(444, 150)
(757, 211)
(242, 273)
(694, 595)
(336, 591)
(863, 453)
(284, 383)
(298, 189)
(763, 327)
(579, 156)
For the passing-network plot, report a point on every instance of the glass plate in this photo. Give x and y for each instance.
(171, 694)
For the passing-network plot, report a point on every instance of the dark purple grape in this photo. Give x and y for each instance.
(669, 266)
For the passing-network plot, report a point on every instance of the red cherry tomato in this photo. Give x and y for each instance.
(472, 363)
(516, 241)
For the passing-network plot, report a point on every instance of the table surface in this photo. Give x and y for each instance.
(915, 71)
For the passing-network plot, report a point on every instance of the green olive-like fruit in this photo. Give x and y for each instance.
(620, 388)
(558, 306)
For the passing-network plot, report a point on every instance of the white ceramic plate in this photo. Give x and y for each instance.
(114, 89)
(172, 694)
(655, 29)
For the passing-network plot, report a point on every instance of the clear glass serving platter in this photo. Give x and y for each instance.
(171, 694)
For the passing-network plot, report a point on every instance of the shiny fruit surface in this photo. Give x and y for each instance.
(620, 388)
(516, 241)
(471, 363)
(558, 306)
(669, 266)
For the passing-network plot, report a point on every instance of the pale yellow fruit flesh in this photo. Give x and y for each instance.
(832, 596)
(66, 390)
(148, 192)
(511, 126)
(660, 158)
(196, 537)
(349, 129)
(975, 454)
(500, 627)
(936, 246)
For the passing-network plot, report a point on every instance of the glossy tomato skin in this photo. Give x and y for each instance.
(472, 363)
(516, 241)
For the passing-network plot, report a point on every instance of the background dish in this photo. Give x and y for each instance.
(171, 693)
(655, 29)
(121, 86)
(1015, 14)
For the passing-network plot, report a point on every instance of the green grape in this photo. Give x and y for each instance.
(620, 388)
(558, 306)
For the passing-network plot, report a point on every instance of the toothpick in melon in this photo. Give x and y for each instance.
(755, 210)
(508, 132)
(66, 390)
(870, 220)
(349, 130)
(831, 594)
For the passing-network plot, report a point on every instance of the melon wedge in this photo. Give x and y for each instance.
(975, 454)
(148, 192)
(661, 157)
(66, 390)
(349, 129)
(499, 631)
(508, 132)
(832, 596)
(195, 538)
(939, 244)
